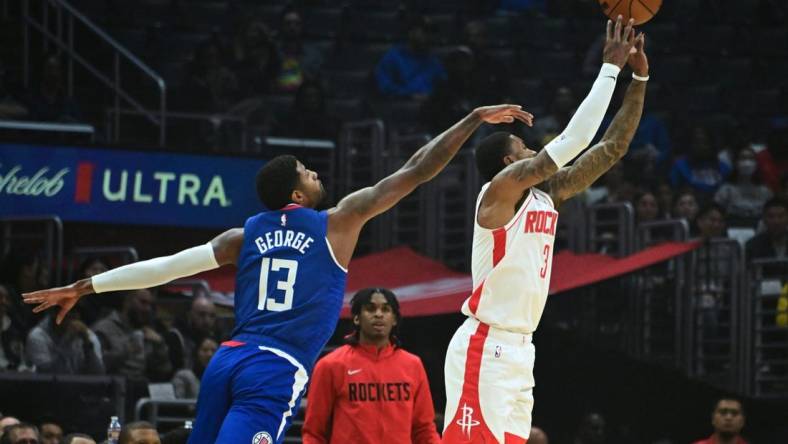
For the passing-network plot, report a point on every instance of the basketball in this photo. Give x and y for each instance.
(640, 10)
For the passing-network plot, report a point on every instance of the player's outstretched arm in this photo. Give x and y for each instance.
(222, 250)
(352, 212)
(508, 186)
(614, 144)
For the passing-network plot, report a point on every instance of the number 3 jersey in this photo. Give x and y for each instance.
(289, 287)
(511, 266)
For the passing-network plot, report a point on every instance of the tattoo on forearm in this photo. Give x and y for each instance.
(600, 158)
(433, 157)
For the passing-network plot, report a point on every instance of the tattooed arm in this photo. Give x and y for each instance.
(598, 159)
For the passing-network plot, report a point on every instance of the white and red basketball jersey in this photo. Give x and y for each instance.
(511, 266)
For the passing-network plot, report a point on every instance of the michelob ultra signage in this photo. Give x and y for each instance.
(128, 187)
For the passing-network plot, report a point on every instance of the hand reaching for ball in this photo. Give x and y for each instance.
(619, 42)
(638, 60)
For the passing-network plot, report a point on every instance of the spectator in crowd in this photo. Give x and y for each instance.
(50, 101)
(257, 61)
(490, 76)
(537, 436)
(200, 322)
(612, 187)
(12, 337)
(710, 221)
(186, 381)
(685, 206)
(592, 430)
(93, 309)
(646, 207)
(69, 348)
(562, 108)
(456, 95)
(664, 194)
(701, 169)
(6, 421)
(403, 407)
(728, 419)
(309, 118)
(773, 157)
(78, 438)
(21, 272)
(139, 432)
(743, 197)
(176, 436)
(51, 433)
(410, 70)
(300, 60)
(11, 107)
(20, 433)
(129, 343)
(773, 242)
(210, 86)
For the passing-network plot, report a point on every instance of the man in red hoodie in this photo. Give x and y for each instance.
(370, 390)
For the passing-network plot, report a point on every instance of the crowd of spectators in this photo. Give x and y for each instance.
(717, 179)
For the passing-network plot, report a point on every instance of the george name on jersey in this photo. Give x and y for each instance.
(284, 238)
(541, 222)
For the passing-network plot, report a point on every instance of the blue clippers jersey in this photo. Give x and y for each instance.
(289, 288)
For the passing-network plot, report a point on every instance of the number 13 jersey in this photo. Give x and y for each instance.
(289, 287)
(511, 266)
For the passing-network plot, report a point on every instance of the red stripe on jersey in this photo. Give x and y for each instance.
(233, 343)
(468, 425)
(510, 438)
(84, 182)
(291, 206)
(499, 245)
(473, 304)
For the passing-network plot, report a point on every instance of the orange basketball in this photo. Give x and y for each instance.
(640, 10)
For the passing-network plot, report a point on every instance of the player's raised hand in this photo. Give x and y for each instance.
(619, 42)
(504, 114)
(64, 297)
(638, 60)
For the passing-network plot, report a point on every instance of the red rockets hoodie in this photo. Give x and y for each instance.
(359, 395)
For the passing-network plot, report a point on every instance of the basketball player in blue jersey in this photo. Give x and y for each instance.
(292, 262)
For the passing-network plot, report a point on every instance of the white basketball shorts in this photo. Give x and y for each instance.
(489, 385)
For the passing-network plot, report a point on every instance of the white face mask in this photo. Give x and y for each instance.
(746, 167)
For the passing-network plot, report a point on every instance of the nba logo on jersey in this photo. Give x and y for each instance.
(262, 438)
(284, 220)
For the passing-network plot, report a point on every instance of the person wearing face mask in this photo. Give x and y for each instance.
(744, 196)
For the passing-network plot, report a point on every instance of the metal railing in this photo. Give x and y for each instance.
(185, 410)
(765, 329)
(713, 308)
(25, 229)
(216, 121)
(611, 228)
(63, 39)
(76, 128)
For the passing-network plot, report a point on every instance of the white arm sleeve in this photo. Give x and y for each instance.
(585, 123)
(156, 271)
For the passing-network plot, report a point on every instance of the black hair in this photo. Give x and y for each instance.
(6, 439)
(197, 367)
(728, 398)
(125, 432)
(71, 437)
(276, 181)
(708, 207)
(490, 153)
(363, 297)
(775, 202)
